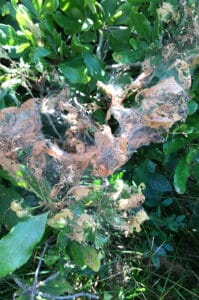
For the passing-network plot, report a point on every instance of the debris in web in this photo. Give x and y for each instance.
(59, 142)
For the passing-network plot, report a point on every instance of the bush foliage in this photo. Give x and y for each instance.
(84, 239)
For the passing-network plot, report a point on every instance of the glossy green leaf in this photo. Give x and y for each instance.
(94, 66)
(50, 6)
(70, 25)
(75, 75)
(109, 7)
(40, 52)
(159, 183)
(37, 4)
(91, 5)
(24, 17)
(142, 25)
(119, 39)
(125, 18)
(34, 6)
(17, 246)
(191, 155)
(8, 36)
(85, 255)
(28, 27)
(156, 31)
(174, 145)
(127, 57)
(76, 45)
(99, 116)
(181, 175)
(192, 107)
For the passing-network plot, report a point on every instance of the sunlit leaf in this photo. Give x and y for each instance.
(50, 6)
(17, 246)
(85, 255)
(142, 25)
(74, 75)
(94, 66)
(181, 175)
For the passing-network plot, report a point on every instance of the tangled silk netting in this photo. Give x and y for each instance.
(83, 145)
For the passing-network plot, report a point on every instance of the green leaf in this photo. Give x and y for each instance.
(99, 116)
(91, 5)
(109, 7)
(151, 166)
(159, 183)
(92, 258)
(34, 7)
(156, 30)
(38, 4)
(8, 217)
(142, 25)
(125, 18)
(40, 52)
(174, 145)
(156, 261)
(77, 253)
(181, 175)
(119, 39)
(192, 107)
(70, 25)
(167, 202)
(75, 75)
(94, 66)
(23, 17)
(8, 36)
(127, 57)
(76, 45)
(191, 155)
(26, 179)
(85, 255)
(137, 45)
(5, 176)
(50, 6)
(56, 286)
(17, 246)
(26, 24)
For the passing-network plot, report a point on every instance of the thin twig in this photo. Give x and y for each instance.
(82, 294)
(34, 286)
(53, 126)
(122, 66)
(50, 278)
(18, 282)
(100, 44)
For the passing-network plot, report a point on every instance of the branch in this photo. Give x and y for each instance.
(100, 44)
(34, 286)
(82, 294)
